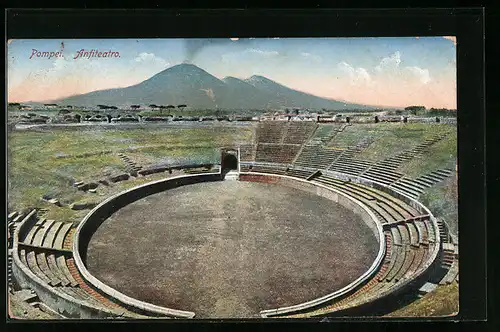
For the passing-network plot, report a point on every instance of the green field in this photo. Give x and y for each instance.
(48, 162)
(443, 301)
(393, 138)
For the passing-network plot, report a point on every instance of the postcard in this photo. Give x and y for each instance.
(243, 178)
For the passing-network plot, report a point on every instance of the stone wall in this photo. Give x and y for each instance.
(350, 203)
(96, 217)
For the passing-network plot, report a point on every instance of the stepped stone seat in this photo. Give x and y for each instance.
(424, 182)
(31, 234)
(404, 190)
(407, 188)
(376, 178)
(398, 260)
(33, 266)
(451, 275)
(412, 183)
(63, 267)
(396, 236)
(444, 172)
(349, 190)
(298, 173)
(380, 195)
(405, 236)
(384, 172)
(432, 178)
(414, 241)
(383, 216)
(430, 232)
(42, 232)
(22, 257)
(420, 256)
(18, 218)
(314, 156)
(41, 260)
(12, 215)
(422, 232)
(409, 258)
(52, 264)
(395, 215)
(405, 214)
(63, 231)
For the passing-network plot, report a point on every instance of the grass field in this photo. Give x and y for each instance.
(393, 138)
(442, 200)
(442, 154)
(443, 301)
(48, 162)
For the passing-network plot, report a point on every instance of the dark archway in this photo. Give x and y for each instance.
(109, 117)
(438, 120)
(229, 162)
(78, 117)
(376, 119)
(347, 119)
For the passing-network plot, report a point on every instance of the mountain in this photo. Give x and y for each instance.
(191, 85)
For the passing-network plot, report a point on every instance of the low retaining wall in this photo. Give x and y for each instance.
(96, 217)
(354, 205)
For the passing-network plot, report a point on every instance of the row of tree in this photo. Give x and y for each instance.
(162, 107)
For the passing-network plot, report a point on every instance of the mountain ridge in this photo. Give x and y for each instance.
(192, 85)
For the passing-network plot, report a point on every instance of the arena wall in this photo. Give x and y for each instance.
(96, 217)
(348, 202)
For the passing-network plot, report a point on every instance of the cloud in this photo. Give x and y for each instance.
(452, 38)
(266, 54)
(151, 58)
(357, 76)
(310, 56)
(389, 63)
(421, 74)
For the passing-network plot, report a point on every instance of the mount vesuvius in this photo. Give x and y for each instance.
(191, 85)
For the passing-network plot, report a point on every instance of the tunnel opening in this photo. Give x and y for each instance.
(230, 162)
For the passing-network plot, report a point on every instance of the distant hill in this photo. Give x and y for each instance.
(191, 85)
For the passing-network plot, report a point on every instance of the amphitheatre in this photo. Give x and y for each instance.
(270, 218)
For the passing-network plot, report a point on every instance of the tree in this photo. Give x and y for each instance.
(296, 111)
(415, 109)
(135, 107)
(153, 106)
(181, 107)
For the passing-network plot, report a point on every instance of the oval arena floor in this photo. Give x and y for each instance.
(230, 249)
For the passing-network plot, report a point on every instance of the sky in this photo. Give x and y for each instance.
(375, 71)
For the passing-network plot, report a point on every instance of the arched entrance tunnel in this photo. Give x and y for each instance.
(229, 162)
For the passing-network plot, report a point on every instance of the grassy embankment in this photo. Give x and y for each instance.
(443, 301)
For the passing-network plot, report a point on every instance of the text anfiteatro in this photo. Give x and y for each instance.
(80, 54)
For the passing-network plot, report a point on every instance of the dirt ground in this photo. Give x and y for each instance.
(230, 249)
